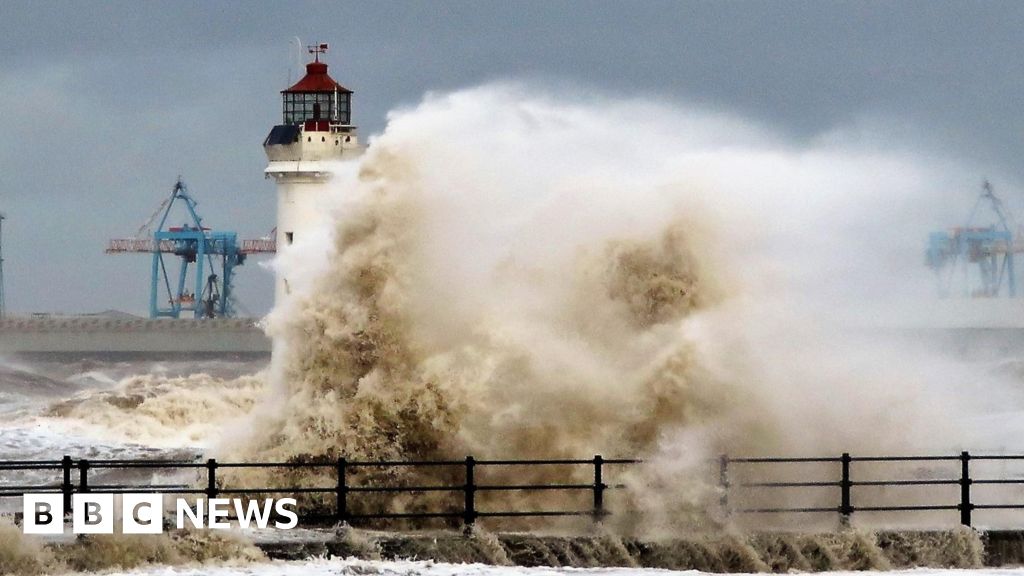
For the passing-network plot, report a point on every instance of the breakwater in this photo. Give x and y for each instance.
(720, 553)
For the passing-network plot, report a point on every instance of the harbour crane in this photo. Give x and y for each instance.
(978, 261)
(210, 255)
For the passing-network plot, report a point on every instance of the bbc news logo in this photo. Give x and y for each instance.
(145, 513)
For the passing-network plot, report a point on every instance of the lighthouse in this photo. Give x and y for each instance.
(315, 131)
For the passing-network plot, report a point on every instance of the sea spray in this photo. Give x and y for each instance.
(731, 553)
(515, 275)
(25, 555)
(512, 273)
(780, 553)
(165, 412)
(20, 554)
(958, 548)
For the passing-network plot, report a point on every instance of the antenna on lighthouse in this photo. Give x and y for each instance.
(335, 108)
(294, 56)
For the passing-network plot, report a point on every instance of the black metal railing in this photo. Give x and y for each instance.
(846, 505)
(745, 485)
(344, 490)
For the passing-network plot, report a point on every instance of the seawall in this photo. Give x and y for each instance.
(102, 334)
(722, 553)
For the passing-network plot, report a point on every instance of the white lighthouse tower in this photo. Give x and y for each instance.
(316, 130)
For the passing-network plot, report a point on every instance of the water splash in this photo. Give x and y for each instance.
(513, 273)
(519, 275)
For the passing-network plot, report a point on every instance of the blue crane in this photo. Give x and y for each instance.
(977, 261)
(210, 256)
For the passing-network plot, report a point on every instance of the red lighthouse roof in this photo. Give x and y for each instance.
(317, 80)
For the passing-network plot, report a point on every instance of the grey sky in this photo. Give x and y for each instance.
(102, 105)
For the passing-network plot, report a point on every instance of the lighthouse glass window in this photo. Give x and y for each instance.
(302, 106)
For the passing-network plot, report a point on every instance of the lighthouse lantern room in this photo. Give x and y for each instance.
(317, 97)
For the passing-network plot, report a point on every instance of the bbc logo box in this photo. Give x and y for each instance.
(144, 513)
(93, 513)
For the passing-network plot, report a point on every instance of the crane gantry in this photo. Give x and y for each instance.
(978, 261)
(211, 257)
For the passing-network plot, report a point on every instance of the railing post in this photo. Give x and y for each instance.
(845, 506)
(65, 485)
(599, 487)
(469, 513)
(211, 478)
(723, 483)
(83, 475)
(965, 489)
(341, 507)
